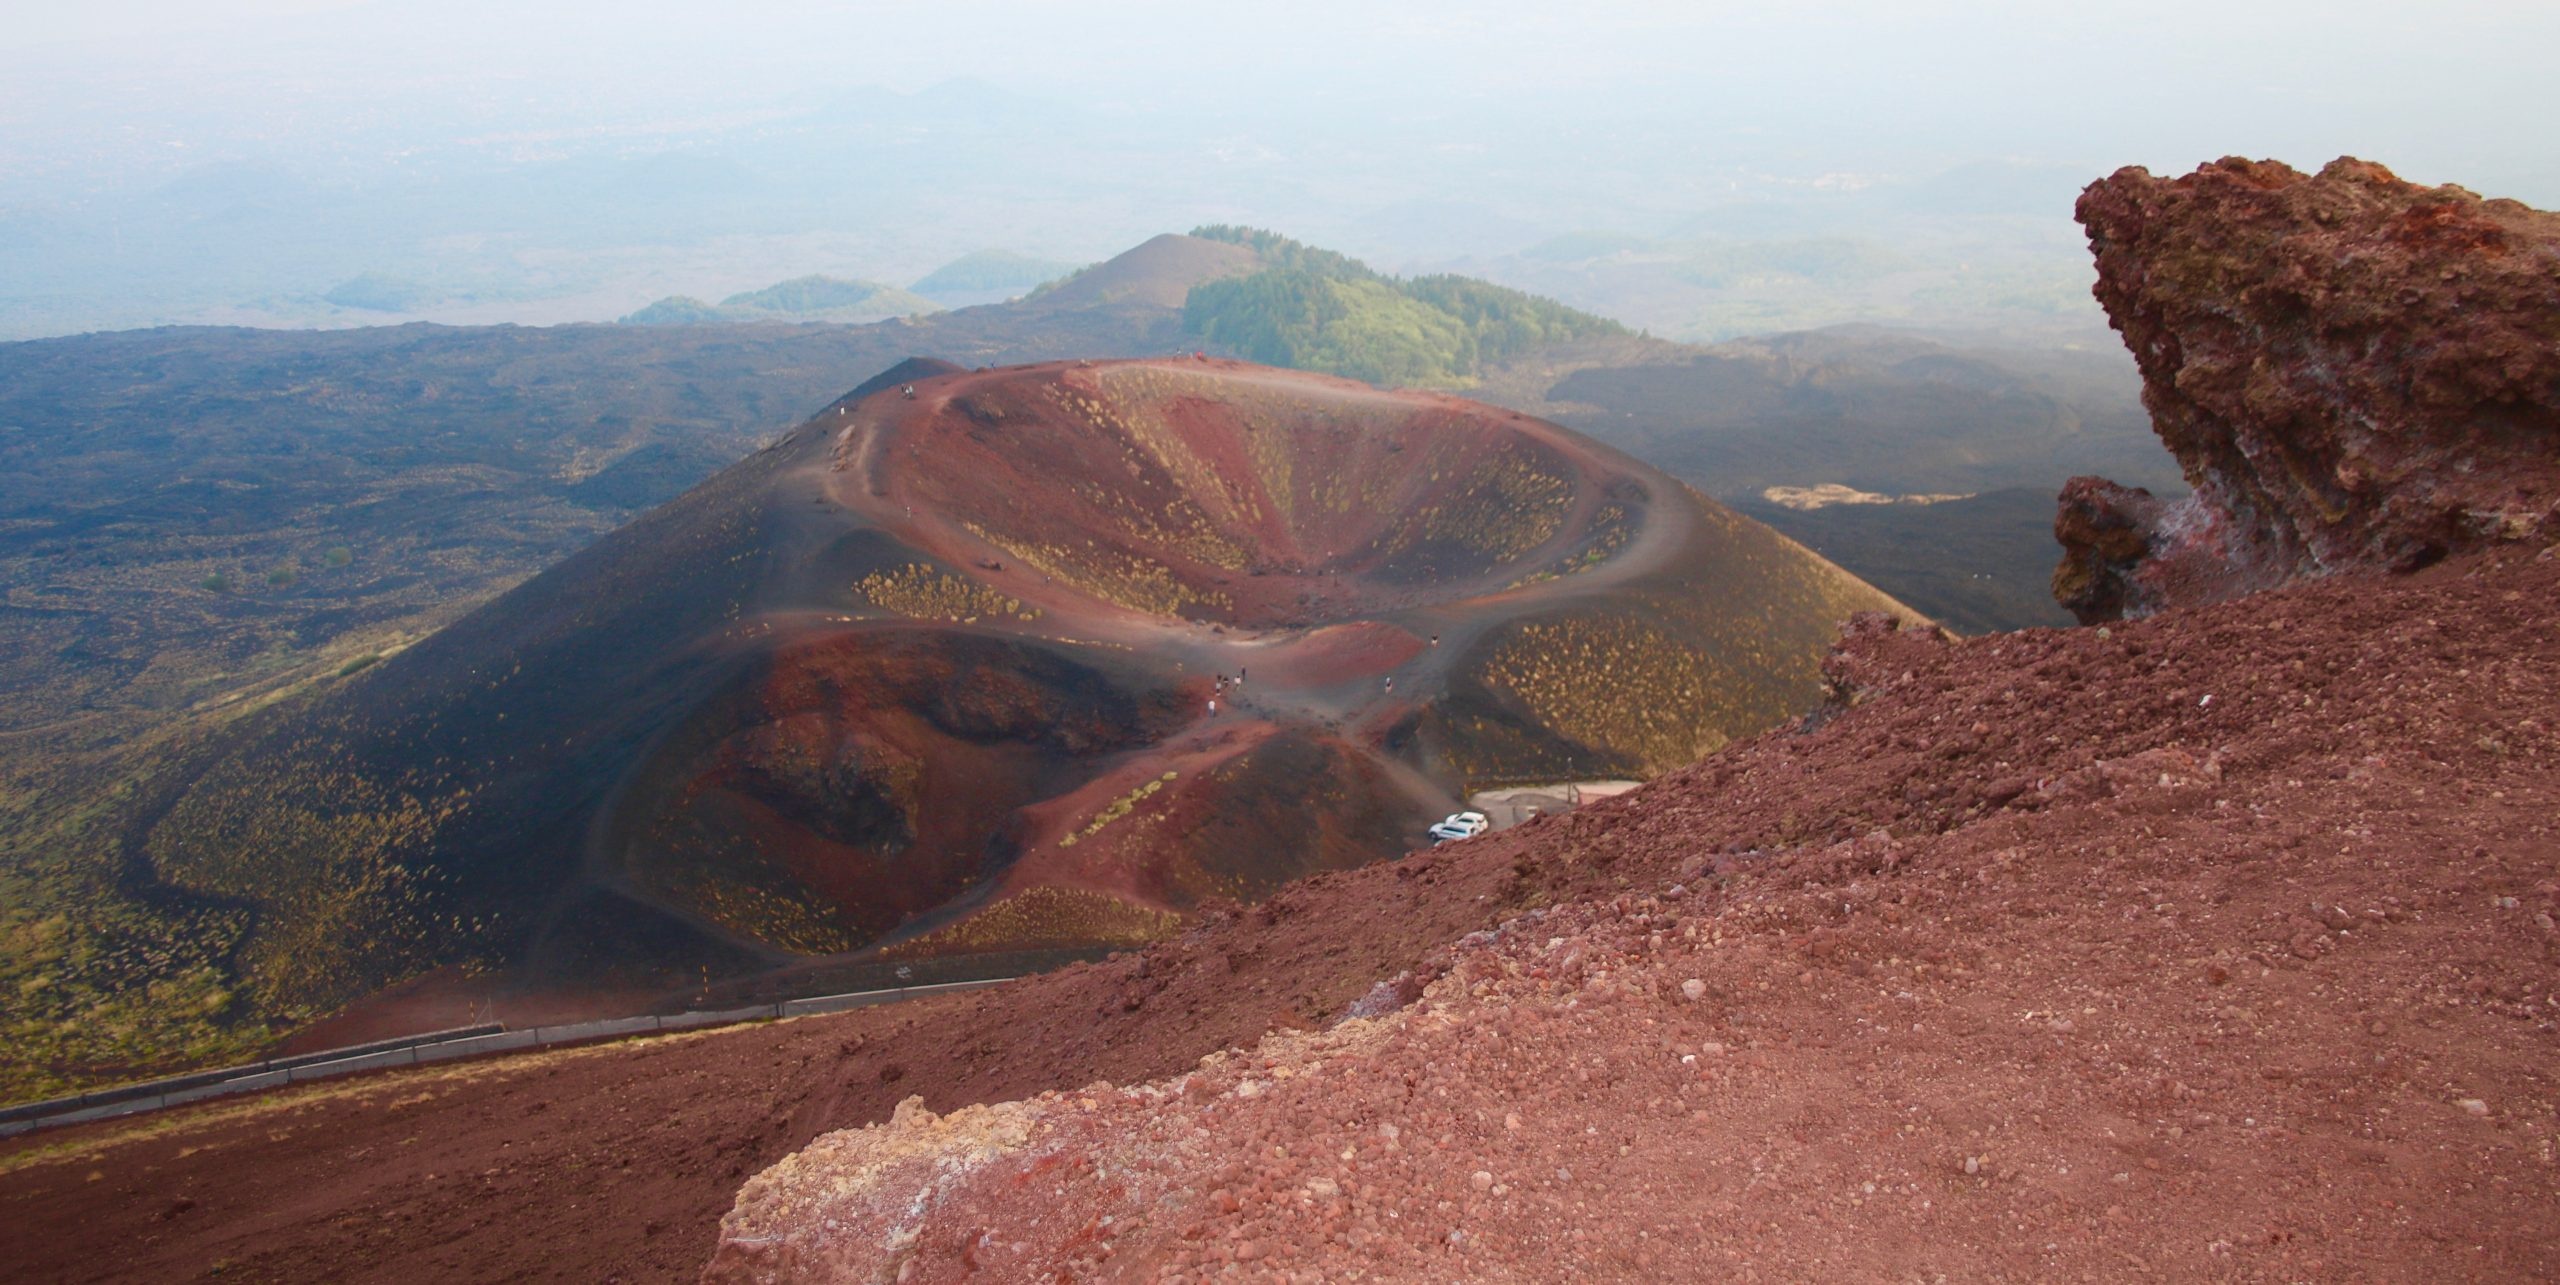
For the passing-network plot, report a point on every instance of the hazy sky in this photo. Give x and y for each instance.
(2445, 90)
(1113, 117)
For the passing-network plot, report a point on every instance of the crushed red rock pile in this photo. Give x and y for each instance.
(2220, 945)
(2352, 370)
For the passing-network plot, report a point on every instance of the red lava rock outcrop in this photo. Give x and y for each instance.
(2353, 371)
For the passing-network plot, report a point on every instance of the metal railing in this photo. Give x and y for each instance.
(418, 1050)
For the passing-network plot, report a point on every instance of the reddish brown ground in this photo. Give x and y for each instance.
(1321, 486)
(1163, 522)
(2201, 989)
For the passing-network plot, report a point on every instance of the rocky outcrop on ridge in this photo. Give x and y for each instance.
(2352, 370)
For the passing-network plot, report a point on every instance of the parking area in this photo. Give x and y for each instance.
(1507, 808)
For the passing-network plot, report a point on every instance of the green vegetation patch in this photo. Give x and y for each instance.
(1117, 809)
(1045, 917)
(1314, 309)
(813, 295)
(96, 984)
(1618, 682)
(920, 592)
(678, 310)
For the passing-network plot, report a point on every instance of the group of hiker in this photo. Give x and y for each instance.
(1220, 683)
(1223, 683)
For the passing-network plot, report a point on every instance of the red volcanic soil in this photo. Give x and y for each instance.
(1160, 527)
(1267, 498)
(2219, 945)
(931, 676)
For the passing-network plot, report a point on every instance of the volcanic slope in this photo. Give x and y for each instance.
(939, 675)
(2030, 965)
(1159, 272)
(2221, 949)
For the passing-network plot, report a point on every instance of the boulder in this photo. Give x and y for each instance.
(2353, 371)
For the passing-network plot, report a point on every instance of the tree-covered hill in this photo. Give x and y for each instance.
(1315, 309)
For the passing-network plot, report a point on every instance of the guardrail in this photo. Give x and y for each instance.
(417, 1050)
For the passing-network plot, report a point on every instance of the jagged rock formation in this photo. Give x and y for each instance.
(2352, 370)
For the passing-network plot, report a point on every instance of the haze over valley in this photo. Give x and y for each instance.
(1697, 171)
(1008, 641)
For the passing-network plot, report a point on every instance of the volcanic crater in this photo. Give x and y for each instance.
(977, 663)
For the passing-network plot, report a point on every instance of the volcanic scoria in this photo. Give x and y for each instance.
(2353, 371)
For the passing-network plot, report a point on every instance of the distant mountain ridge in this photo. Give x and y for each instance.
(809, 298)
(986, 272)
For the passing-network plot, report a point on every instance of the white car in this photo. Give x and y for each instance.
(1461, 825)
